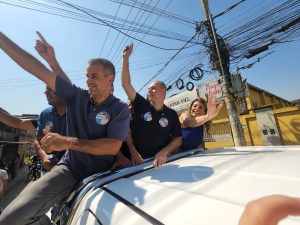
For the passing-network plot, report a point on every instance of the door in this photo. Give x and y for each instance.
(267, 126)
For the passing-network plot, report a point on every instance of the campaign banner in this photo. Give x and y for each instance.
(211, 88)
(181, 102)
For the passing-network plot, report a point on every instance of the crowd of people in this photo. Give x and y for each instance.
(90, 131)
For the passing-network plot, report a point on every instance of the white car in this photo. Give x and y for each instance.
(194, 187)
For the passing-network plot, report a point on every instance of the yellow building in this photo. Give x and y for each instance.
(266, 120)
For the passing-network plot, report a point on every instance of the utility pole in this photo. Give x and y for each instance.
(223, 67)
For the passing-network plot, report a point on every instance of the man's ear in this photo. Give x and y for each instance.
(111, 78)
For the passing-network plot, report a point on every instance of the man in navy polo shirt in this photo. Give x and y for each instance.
(52, 119)
(97, 123)
(156, 130)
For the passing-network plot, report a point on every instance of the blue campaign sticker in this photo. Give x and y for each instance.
(102, 118)
(148, 116)
(49, 125)
(163, 122)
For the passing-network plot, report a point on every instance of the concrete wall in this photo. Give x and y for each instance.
(288, 122)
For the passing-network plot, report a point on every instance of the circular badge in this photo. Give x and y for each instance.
(163, 121)
(148, 116)
(102, 118)
(49, 125)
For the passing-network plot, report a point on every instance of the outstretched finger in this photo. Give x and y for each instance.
(42, 38)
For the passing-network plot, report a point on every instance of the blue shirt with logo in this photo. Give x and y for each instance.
(85, 120)
(50, 120)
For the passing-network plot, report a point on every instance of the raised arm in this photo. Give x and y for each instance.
(213, 110)
(125, 77)
(15, 122)
(187, 120)
(46, 51)
(27, 61)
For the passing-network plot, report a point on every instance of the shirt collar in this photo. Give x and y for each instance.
(107, 101)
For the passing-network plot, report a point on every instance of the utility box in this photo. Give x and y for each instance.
(267, 126)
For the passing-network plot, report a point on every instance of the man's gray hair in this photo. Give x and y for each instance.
(109, 68)
(162, 84)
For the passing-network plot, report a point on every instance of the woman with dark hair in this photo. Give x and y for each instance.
(193, 121)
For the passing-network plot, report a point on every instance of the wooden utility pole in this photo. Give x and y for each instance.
(234, 118)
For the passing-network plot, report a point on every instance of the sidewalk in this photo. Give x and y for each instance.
(21, 175)
(15, 187)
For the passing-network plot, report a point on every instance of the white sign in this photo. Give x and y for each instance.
(211, 88)
(181, 102)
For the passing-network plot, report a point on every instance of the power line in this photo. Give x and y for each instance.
(229, 9)
(51, 10)
(109, 30)
(133, 27)
(154, 46)
(160, 71)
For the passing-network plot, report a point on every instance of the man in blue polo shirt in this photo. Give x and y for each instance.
(52, 119)
(97, 123)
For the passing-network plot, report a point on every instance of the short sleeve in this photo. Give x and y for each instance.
(66, 90)
(139, 102)
(176, 128)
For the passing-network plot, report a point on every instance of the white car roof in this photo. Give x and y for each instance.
(207, 188)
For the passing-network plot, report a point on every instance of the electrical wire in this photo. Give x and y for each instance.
(120, 31)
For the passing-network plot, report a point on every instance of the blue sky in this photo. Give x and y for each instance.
(76, 42)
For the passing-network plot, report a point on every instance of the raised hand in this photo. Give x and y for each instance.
(127, 50)
(213, 108)
(45, 50)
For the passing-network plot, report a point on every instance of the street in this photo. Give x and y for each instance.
(15, 187)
